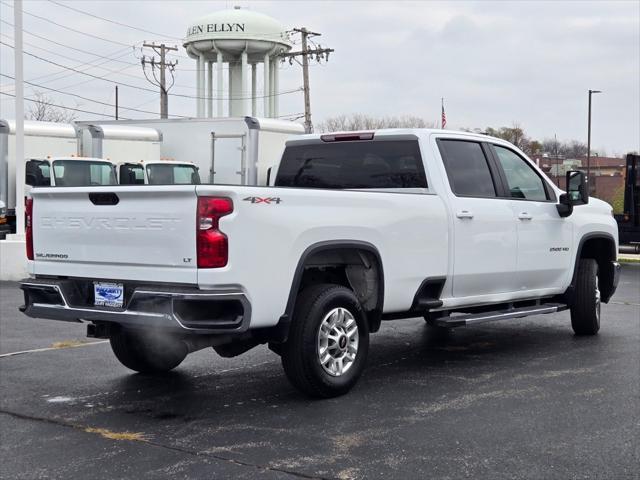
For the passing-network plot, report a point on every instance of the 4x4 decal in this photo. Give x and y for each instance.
(267, 200)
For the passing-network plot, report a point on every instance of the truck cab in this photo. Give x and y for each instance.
(159, 172)
(69, 172)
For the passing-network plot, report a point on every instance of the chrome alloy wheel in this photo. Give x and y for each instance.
(338, 341)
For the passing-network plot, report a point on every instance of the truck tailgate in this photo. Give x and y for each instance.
(122, 232)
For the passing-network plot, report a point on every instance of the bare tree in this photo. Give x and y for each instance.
(514, 134)
(359, 121)
(45, 110)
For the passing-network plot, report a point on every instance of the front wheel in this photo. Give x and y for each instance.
(585, 311)
(328, 342)
(147, 352)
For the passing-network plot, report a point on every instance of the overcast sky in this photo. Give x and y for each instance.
(495, 63)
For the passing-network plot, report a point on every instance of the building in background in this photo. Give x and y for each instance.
(606, 180)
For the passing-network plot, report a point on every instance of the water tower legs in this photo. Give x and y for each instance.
(275, 87)
(201, 85)
(219, 82)
(254, 103)
(272, 81)
(209, 89)
(198, 104)
(238, 90)
(267, 91)
(245, 100)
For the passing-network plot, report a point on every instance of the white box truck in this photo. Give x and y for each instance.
(235, 151)
(119, 143)
(41, 140)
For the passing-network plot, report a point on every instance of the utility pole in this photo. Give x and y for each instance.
(19, 145)
(591, 92)
(161, 65)
(116, 102)
(320, 53)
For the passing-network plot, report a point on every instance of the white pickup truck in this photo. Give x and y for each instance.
(354, 228)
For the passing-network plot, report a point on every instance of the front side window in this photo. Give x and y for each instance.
(169, 174)
(522, 180)
(467, 168)
(353, 165)
(83, 173)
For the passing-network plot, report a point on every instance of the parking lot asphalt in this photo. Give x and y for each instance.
(512, 399)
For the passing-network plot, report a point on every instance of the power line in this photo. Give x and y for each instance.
(89, 63)
(75, 70)
(86, 98)
(113, 21)
(60, 106)
(78, 71)
(49, 40)
(285, 92)
(69, 28)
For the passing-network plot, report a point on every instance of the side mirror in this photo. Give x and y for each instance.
(565, 206)
(577, 193)
(577, 187)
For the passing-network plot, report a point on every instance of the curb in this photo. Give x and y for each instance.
(628, 260)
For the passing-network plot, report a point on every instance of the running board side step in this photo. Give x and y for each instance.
(459, 320)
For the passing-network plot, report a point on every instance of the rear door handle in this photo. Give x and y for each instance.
(525, 216)
(464, 214)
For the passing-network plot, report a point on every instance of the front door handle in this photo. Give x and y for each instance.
(525, 216)
(464, 214)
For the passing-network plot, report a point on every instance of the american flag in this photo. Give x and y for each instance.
(444, 116)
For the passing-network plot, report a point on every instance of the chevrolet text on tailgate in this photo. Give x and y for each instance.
(357, 228)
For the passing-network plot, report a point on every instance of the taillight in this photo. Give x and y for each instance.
(212, 244)
(28, 226)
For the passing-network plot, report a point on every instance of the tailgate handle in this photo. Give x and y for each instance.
(107, 198)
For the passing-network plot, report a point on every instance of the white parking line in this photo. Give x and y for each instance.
(11, 354)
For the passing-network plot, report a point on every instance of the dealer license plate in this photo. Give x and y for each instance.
(108, 294)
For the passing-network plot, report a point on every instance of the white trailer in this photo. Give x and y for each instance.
(41, 140)
(236, 151)
(119, 143)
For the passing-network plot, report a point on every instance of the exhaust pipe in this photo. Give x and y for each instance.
(632, 249)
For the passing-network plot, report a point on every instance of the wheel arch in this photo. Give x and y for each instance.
(600, 246)
(363, 271)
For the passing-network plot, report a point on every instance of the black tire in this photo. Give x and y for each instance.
(147, 352)
(301, 353)
(585, 310)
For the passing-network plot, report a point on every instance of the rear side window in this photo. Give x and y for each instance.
(467, 168)
(353, 165)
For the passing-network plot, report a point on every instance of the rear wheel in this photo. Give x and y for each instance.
(328, 342)
(585, 311)
(147, 352)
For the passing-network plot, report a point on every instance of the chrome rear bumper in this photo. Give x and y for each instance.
(185, 309)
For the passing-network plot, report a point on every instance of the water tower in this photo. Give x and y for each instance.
(236, 40)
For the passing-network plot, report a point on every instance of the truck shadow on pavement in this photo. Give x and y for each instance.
(420, 357)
